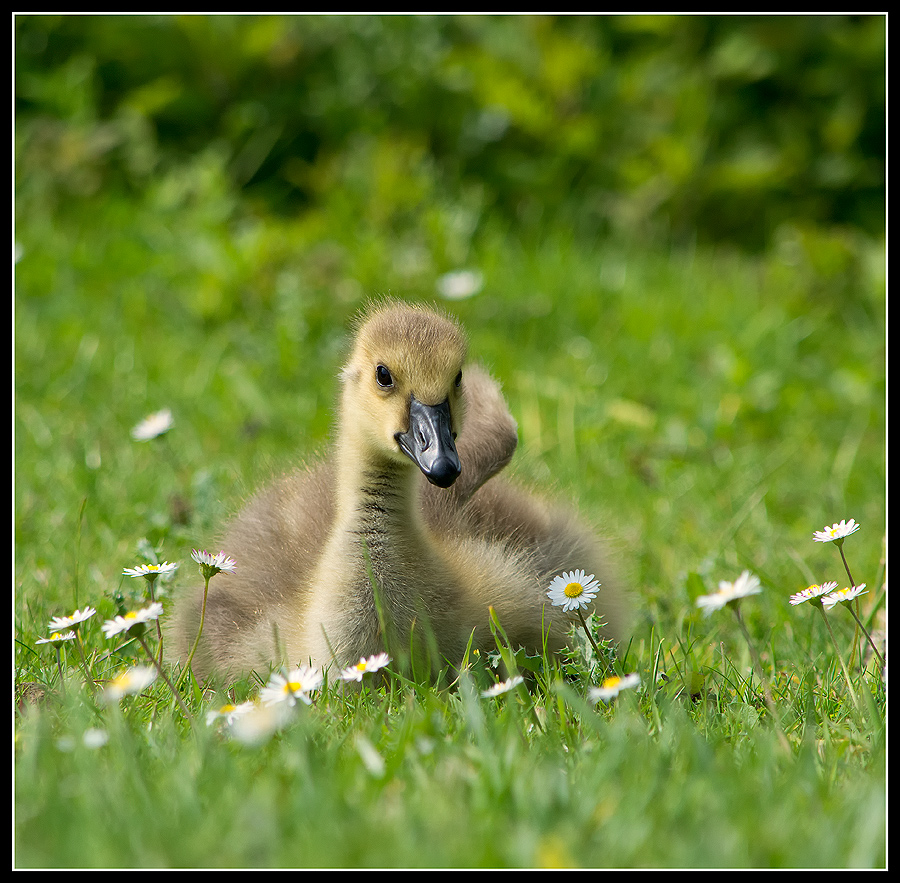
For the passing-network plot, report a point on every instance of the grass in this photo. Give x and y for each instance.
(708, 410)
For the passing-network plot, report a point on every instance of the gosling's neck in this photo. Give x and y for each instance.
(376, 502)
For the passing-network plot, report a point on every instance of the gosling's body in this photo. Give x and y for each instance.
(333, 560)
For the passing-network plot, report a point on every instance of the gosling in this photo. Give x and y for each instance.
(404, 537)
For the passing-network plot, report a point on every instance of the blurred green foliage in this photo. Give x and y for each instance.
(728, 128)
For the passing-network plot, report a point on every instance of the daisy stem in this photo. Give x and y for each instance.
(757, 664)
(837, 650)
(151, 579)
(840, 546)
(190, 659)
(846, 566)
(587, 631)
(170, 454)
(62, 682)
(165, 677)
(866, 633)
(83, 661)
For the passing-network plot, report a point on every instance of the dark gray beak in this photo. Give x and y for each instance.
(429, 442)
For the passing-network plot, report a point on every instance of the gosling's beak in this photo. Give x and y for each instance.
(429, 442)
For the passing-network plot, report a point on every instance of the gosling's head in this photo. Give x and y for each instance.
(403, 388)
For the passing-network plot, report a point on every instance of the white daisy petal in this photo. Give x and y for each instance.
(837, 532)
(152, 426)
(573, 590)
(60, 623)
(151, 571)
(503, 687)
(211, 564)
(228, 713)
(373, 663)
(134, 680)
(460, 284)
(297, 684)
(746, 584)
(813, 594)
(259, 722)
(611, 687)
(131, 619)
(843, 596)
(57, 638)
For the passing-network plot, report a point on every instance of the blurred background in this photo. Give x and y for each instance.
(743, 129)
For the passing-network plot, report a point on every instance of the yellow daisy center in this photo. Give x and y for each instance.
(225, 709)
(293, 686)
(361, 665)
(611, 682)
(130, 615)
(573, 590)
(55, 636)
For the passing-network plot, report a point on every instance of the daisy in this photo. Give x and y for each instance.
(60, 623)
(153, 426)
(57, 638)
(229, 713)
(843, 596)
(836, 533)
(291, 687)
(134, 680)
(503, 687)
(611, 687)
(151, 571)
(211, 564)
(131, 619)
(746, 584)
(373, 663)
(94, 737)
(460, 284)
(258, 722)
(573, 590)
(813, 594)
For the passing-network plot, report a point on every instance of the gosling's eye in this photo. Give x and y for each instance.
(458, 380)
(383, 377)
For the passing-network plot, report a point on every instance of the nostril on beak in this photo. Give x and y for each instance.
(429, 443)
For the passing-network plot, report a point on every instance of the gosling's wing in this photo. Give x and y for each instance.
(275, 541)
(553, 538)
